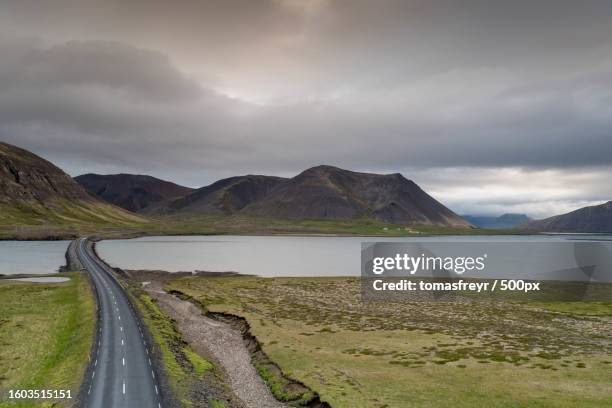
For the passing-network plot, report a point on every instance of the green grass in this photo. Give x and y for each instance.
(577, 308)
(169, 341)
(182, 365)
(63, 219)
(216, 404)
(244, 225)
(46, 333)
(421, 354)
(200, 365)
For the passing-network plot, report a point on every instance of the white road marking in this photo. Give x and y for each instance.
(123, 360)
(96, 363)
(156, 390)
(121, 328)
(159, 405)
(122, 342)
(119, 317)
(149, 361)
(124, 386)
(152, 374)
(93, 374)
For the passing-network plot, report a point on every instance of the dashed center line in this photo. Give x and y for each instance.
(95, 270)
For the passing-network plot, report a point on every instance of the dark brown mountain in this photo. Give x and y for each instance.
(597, 218)
(327, 192)
(33, 191)
(225, 196)
(322, 192)
(131, 191)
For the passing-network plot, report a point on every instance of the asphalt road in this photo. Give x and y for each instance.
(122, 374)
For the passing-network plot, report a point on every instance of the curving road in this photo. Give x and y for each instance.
(122, 375)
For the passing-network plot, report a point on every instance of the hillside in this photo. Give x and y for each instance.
(322, 192)
(327, 192)
(597, 218)
(130, 191)
(36, 193)
(226, 196)
(502, 222)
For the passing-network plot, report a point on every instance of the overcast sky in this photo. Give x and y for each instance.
(490, 106)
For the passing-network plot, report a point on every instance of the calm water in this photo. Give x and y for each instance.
(268, 256)
(32, 257)
(45, 279)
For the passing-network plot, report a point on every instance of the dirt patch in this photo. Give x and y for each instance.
(285, 388)
(222, 344)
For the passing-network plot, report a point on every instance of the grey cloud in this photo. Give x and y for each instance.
(203, 90)
(137, 72)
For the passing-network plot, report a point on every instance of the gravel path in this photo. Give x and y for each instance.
(223, 343)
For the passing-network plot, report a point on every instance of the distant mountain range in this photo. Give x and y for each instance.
(322, 192)
(130, 191)
(504, 221)
(35, 192)
(597, 218)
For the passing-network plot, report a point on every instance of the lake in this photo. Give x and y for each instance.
(32, 257)
(273, 255)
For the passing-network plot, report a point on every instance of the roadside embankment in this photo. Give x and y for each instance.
(222, 343)
(227, 339)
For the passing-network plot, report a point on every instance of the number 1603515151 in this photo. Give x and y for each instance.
(39, 394)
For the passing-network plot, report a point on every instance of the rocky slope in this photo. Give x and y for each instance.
(130, 191)
(597, 218)
(322, 192)
(327, 192)
(33, 191)
(225, 196)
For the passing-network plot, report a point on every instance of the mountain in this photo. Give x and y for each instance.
(130, 191)
(322, 192)
(597, 218)
(35, 192)
(501, 222)
(327, 192)
(225, 196)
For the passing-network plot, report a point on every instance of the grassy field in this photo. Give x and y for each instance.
(97, 223)
(426, 354)
(245, 225)
(45, 337)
